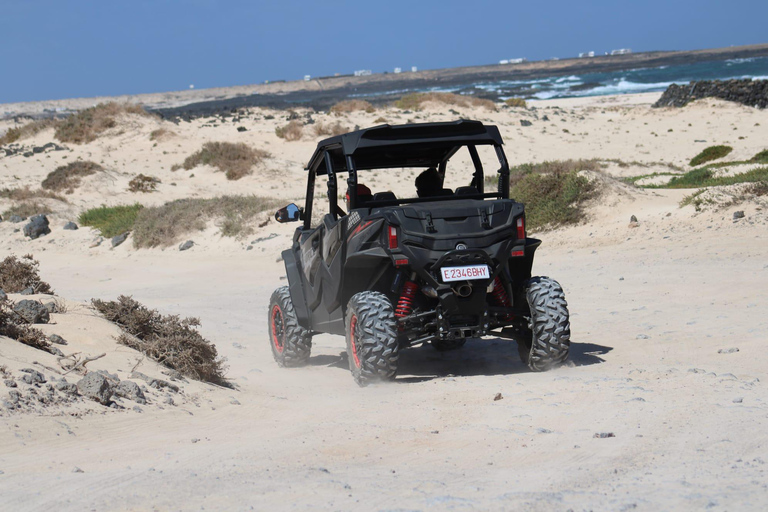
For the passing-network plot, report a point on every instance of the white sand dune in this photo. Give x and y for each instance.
(651, 308)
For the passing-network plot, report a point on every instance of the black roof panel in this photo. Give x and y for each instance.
(405, 145)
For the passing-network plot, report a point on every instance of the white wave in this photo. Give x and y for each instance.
(728, 62)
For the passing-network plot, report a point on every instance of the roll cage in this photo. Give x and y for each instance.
(402, 146)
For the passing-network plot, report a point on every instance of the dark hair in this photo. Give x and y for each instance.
(428, 183)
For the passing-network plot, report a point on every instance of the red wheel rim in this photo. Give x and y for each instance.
(353, 340)
(277, 328)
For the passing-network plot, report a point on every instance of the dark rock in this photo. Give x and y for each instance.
(131, 391)
(16, 219)
(55, 351)
(55, 338)
(96, 387)
(738, 215)
(525, 122)
(66, 387)
(70, 226)
(27, 291)
(37, 227)
(242, 129)
(10, 383)
(545, 117)
(50, 306)
(731, 350)
(119, 239)
(38, 149)
(3, 295)
(32, 376)
(633, 219)
(32, 312)
(753, 93)
(186, 245)
(154, 383)
(604, 435)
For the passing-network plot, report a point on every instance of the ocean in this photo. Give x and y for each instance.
(619, 82)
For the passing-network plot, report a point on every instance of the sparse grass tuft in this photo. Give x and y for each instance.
(235, 160)
(160, 134)
(143, 183)
(164, 225)
(18, 274)
(329, 130)
(67, 177)
(290, 132)
(761, 157)
(704, 177)
(28, 130)
(516, 102)
(111, 220)
(168, 339)
(26, 193)
(415, 101)
(347, 106)
(27, 209)
(709, 154)
(86, 126)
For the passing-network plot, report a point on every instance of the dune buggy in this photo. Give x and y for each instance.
(390, 273)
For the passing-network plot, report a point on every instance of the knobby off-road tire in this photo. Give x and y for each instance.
(372, 345)
(550, 325)
(446, 345)
(291, 344)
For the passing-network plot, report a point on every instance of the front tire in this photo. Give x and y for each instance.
(550, 325)
(371, 332)
(291, 344)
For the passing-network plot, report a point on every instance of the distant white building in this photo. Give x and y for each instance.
(414, 69)
(621, 51)
(363, 72)
(504, 61)
(586, 54)
(518, 60)
(307, 78)
(398, 70)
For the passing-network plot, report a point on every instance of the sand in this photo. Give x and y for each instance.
(652, 307)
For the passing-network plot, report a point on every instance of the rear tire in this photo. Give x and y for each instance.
(371, 332)
(291, 344)
(550, 325)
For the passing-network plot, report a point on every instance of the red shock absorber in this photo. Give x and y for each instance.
(500, 297)
(405, 304)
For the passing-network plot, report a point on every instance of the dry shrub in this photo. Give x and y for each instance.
(26, 193)
(86, 126)
(143, 183)
(380, 120)
(168, 339)
(18, 274)
(27, 209)
(759, 188)
(161, 226)
(330, 130)
(516, 102)
(553, 167)
(233, 159)
(290, 132)
(28, 130)
(67, 177)
(415, 101)
(14, 327)
(161, 134)
(347, 106)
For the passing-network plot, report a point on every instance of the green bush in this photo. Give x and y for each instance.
(111, 220)
(552, 199)
(705, 178)
(709, 154)
(761, 157)
(516, 102)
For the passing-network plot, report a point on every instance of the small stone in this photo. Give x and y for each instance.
(738, 400)
(32, 312)
(242, 129)
(633, 219)
(50, 306)
(3, 295)
(603, 435)
(119, 239)
(234, 402)
(96, 387)
(77, 470)
(10, 383)
(642, 337)
(525, 122)
(497, 397)
(195, 440)
(37, 227)
(738, 215)
(16, 219)
(731, 350)
(621, 279)
(66, 387)
(543, 431)
(27, 291)
(137, 408)
(186, 245)
(55, 351)
(32, 376)
(58, 340)
(545, 117)
(131, 391)
(70, 226)
(96, 242)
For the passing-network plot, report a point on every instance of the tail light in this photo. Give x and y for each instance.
(520, 228)
(392, 237)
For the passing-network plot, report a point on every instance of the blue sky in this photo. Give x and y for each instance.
(62, 49)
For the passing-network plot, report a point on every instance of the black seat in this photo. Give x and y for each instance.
(384, 196)
(466, 191)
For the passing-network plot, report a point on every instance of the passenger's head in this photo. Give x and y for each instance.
(363, 194)
(429, 183)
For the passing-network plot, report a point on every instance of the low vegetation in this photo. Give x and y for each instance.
(17, 274)
(27, 130)
(235, 160)
(160, 134)
(516, 102)
(111, 220)
(330, 129)
(709, 154)
(345, 107)
(27, 209)
(165, 225)
(143, 183)
(88, 124)
(67, 178)
(705, 177)
(27, 193)
(290, 132)
(761, 157)
(168, 339)
(14, 327)
(415, 101)
(553, 192)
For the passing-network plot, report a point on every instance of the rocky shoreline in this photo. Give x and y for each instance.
(753, 93)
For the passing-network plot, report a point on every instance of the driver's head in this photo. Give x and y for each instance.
(363, 194)
(429, 183)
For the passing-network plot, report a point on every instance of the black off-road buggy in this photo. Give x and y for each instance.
(397, 272)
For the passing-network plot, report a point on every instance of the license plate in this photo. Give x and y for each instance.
(465, 273)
